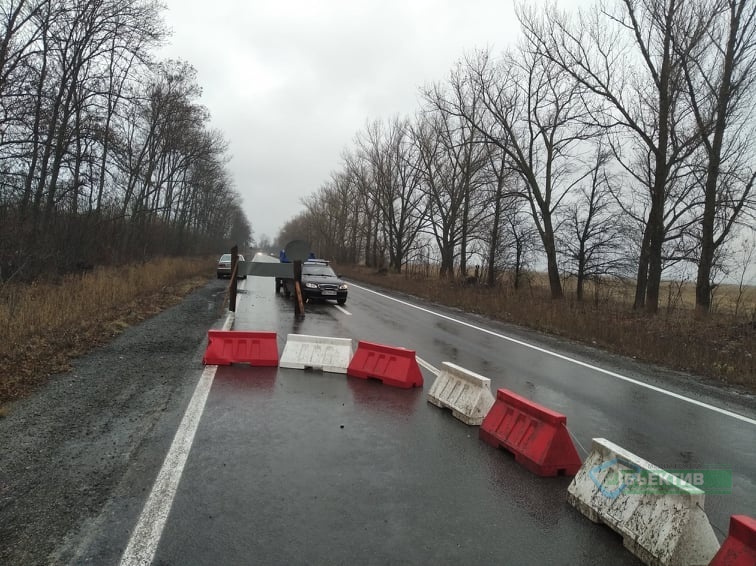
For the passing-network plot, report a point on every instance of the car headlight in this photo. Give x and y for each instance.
(311, 285)
(343, 287)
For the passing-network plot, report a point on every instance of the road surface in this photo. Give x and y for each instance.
(140, 451)
(299, 467)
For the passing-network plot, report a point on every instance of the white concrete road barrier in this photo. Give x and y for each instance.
(660, 516)
(317, 352)
(466, 393)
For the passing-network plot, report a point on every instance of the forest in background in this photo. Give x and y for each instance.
(106, 154)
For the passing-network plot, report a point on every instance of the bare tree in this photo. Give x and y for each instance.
(593, 237)
(518, 244)
(624, 55)
(743, 265)
(500, 203)
(395, 191)
(98, 145)
(357, 167)
(720, 77)
(535, 117)
(444, 161)
(329, 212)
(19, 34)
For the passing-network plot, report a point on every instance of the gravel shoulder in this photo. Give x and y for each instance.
(69, 448)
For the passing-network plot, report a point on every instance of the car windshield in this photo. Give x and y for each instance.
(227, 257)
(321, 270)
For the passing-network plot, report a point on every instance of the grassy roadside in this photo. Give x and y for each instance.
(43, 326)
(720, 348)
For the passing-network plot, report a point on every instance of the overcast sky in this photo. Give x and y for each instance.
(290, 83)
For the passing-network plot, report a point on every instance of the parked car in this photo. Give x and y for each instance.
(319, 282)
(224, 266)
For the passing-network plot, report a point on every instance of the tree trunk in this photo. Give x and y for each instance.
(708, 246)
(493, 247)
(641, 281)
(518, 263)
(656, 216)
(465, 229)
(555, 283)
(654, 271)
(656, 232)
(580, 273)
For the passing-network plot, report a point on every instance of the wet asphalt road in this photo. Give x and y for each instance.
(299, 467)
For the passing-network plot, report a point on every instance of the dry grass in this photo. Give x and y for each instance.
(720, 347)
(43, 326)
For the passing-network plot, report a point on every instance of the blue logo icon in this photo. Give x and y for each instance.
(613, 477)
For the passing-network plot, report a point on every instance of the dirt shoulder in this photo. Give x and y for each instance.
(69, 445)
(49, 352)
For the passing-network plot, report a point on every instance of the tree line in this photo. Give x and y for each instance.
(613, 141)
(106, 154)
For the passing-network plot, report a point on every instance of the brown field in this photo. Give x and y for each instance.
(720, 347)
(43, 326)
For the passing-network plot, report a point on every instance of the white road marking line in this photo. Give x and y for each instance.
(146, 536)
(149, 528)
(427, 366)
(342, 309)
(229, 322)
(568, 359)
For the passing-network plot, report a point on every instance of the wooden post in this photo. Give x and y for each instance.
(297, 251)
(298, 302)
(232, 285)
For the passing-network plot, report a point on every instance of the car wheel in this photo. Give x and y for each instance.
(341, 301)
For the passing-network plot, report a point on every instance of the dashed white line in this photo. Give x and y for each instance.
(342, 309)
(567, 359)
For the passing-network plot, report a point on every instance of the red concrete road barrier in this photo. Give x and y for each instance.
(739, 548)
(537, 436)
(225, 347)
(391, 365)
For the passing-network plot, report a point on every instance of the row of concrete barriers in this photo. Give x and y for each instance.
(662, 526)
